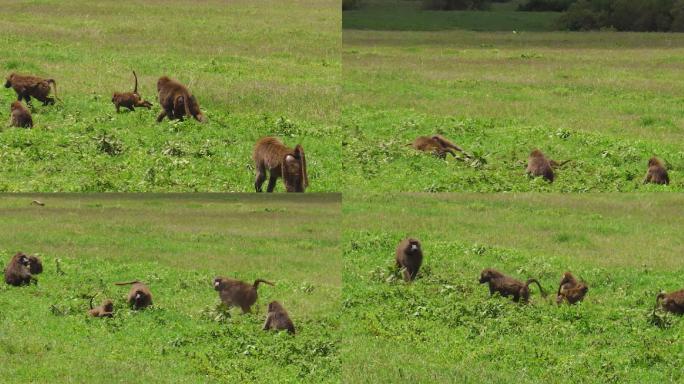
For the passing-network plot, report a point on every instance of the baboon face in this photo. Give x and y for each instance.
(536, 153)
(24, 260)
(8, 83)
(653, 161)
(485, 276)
(108, 306)
(413, 246)
(162, 81)
(274, 306)
(219, 283)
(293, 168)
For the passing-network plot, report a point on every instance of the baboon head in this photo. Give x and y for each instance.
(413, 246)
(219, 283)
(294, 170)
(536, 153)
(486, 275)
(161, 82)
(8, 83)
(23, 259)
(653, 161)
(275, 306)
(15, 105)
(108, 306)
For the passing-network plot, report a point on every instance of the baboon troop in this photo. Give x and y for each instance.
(278, 319)
(27, 87)
(236, 293)
(139, 296)
(280, 161)
(656, 174)
(508, 286)
(177, 101)
(409, 257)
(570, 289)
(130, 100)
(104, 310)
(437, 145)
(671, 302)
(20, 116)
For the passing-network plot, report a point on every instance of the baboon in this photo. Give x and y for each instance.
(104, 310)
(32, 86)
(281, 161)
(539, 165)
(238, 293)
(35, 265)
(139, 296)
(18, 272)
(573, 295)
(437, 144)
(508, 286)
(409, 257)
(656, 174)
(671, 302)
(177, 101)
(20, 116)
(130, 100)
(278, 319)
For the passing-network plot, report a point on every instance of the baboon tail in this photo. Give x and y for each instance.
(559, 289)
(91, 301)
(658, 298)
(257, 281)
(135, 88)
(530, 281)
(127, 282)
(446, 143)
(54, 85)
(187, 100)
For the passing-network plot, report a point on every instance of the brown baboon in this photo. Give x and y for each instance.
(409, 257)
(573, 295)
(177, 101)
(20, 116)
(35, 265)
(278, 319)
(104, 310)
(539, 165)
(656, 174)
(31, 86)
(18, 272)
(130, 100)
(508, 286)
(281, 161)
(671, 302)
(436, 144)
(139, 296)
(238, 293)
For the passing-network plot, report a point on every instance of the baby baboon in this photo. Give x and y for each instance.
(130, 100)
(508, 286)
(20, 116)
(278, 319)
(139, 296)
(573, 295)
(35, 265)
(656, 174)
(281, 161)
(436, 144)
(177, 101)
(409, 257)
(31, 86)
(238, 293)
(539, 165)
(104, 310)
(671, 302)
(17, 271)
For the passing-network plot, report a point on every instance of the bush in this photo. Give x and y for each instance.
(546, 5)
(455, 5)
(350, 4)
(625, 15)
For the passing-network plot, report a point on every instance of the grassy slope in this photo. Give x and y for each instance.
(249, 63)
(445, 328)
(608, 101)
(177, 245)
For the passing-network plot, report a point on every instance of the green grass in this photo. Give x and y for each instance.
(444, 327)
(256, 68)
(408, 15)
(177, 244)
(608, 101)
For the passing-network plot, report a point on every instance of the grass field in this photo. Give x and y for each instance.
(444, 327)
(176, 244)
(256, 68)
(608, 101)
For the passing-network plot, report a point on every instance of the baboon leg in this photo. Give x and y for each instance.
(260, 177)
(161, 116)
(491, 291)
(132, 108)
(271, 182)
(246, 309)
(49, 101)
(267, 323)
(117, 108)
(407, 275)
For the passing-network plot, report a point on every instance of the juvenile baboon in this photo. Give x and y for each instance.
(130, 100)
(20, 116)
(671, 302)
(35, 265)
(656, 174)
(177, 101)
(437, 144)
(139, 296)
(17, 271)
(409, 257)
(31, 86)
(278, 319)
(238, 293)
(104, 310)
(508, 286)
(573, 295)
(539, 165)
(281, 161)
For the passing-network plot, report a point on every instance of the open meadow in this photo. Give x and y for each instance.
(256, 68)
(176, 244)
(607, 101)
(444, 327)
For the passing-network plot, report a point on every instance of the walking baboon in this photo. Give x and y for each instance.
(139, 296)
(20, 116)
(437, 144)
(278, 318)
(177, 101)
(281, 161)
(32, 86)
(238, 293)
(409, 257)
(130, 100)
(671, 302)
(656, 174)
(104, 310)
(18, 271)
(508, 286)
